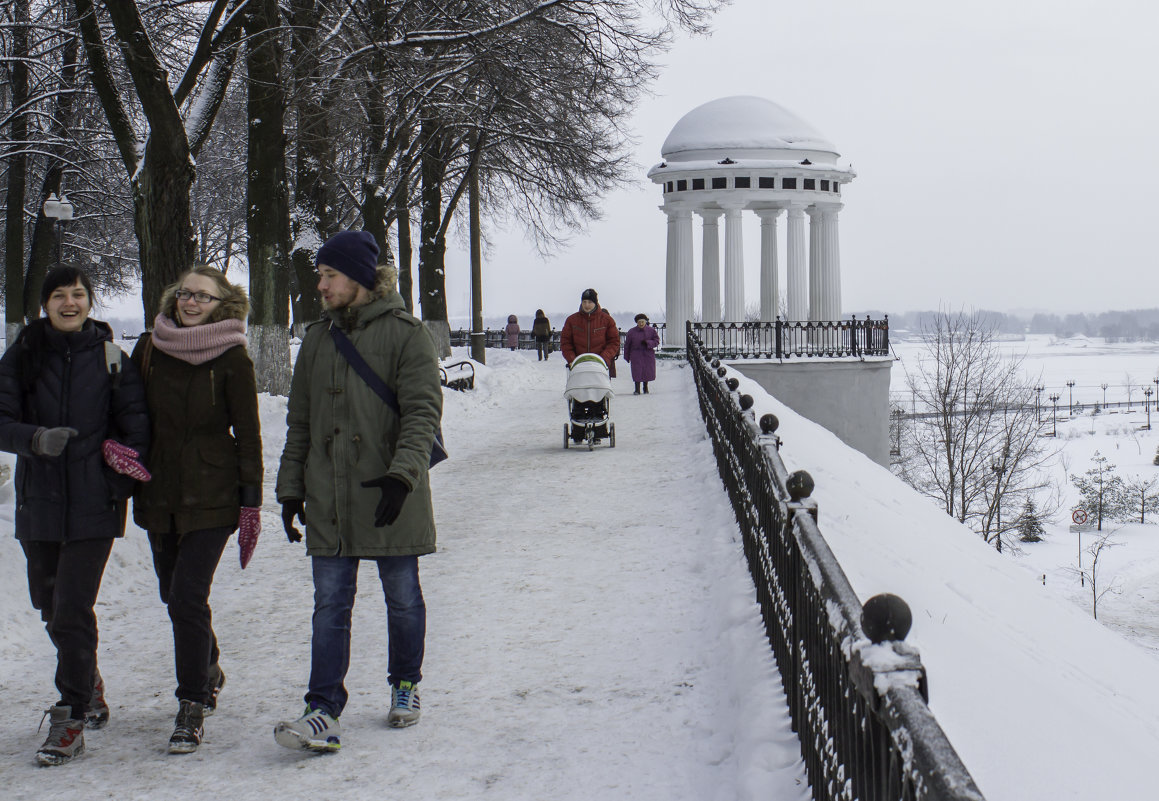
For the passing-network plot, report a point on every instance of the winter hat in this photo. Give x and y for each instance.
(589, 294)
(639, 317)
(353, 253)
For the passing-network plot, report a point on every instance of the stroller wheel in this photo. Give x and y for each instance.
(611, 435)
(566, 436)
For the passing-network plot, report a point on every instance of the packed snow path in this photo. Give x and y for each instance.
(592, 632)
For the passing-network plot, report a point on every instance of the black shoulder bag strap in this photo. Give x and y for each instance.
(372, 379)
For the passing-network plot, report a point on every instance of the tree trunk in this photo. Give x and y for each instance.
(405, 251)
(163, 224)
(17, 178)
(314, 218)
(432, 247)
(268, 213)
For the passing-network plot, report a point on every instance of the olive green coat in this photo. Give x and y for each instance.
(206, 448)
(339, 433)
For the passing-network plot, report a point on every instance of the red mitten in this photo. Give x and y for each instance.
(249, 525)
(123, 459)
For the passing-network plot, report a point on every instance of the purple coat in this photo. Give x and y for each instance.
(512, 331)
(640, 351)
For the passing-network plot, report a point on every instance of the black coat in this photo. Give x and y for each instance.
(49, 379)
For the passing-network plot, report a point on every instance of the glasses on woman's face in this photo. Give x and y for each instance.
(200, 297)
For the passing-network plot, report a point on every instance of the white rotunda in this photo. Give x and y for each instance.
(745, 153)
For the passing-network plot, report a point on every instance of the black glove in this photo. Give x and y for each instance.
(290, 508)
(394, 492)
(51, 441)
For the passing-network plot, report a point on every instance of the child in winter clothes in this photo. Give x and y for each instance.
(512, 331)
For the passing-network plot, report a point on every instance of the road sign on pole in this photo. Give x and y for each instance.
(1079, 516)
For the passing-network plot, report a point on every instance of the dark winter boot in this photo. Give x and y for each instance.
(188, 728)
(637, 392)
(645, 387)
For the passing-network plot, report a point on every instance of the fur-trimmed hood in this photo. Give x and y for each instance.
(236, 306)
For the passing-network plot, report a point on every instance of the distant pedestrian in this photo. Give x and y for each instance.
(512, 331)
(72, 409)
(541, 330)
(354, 470)
(590, 330)
(640, 345)
(206, 460)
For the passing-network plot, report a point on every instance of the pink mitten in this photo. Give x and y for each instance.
(123, 459)
(249, 525)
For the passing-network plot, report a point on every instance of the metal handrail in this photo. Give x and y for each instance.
(782, 339)
(866, 731)
(497, 337)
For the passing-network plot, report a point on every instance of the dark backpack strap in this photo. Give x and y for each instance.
(351, 354)
(372, 379)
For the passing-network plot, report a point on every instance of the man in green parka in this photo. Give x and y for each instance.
(355, 472)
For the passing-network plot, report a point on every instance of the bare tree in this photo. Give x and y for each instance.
(1092, 573)
(974, 445)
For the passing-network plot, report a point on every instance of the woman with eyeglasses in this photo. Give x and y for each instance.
(72, 409)
(206, 461)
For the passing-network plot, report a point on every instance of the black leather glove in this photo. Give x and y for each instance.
(51, 441)
(394, 492)
(290, 508)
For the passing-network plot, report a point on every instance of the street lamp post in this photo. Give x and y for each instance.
(1070, 389)
(999, 467)
(1148, 392)
(1038, 402)
(1104, 386)
(61, 211)
(1054, 421)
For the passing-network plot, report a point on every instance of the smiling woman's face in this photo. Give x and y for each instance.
(68, 307)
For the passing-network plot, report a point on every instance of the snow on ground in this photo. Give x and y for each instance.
(592, 632)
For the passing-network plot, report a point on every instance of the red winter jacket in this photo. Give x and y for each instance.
(590, 333)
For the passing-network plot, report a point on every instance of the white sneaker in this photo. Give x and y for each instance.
(314, 731)
(404, 705)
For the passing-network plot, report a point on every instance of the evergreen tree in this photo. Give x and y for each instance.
(1029, 525)
(1102, 491)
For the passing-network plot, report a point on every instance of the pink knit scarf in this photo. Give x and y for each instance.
(200, 343)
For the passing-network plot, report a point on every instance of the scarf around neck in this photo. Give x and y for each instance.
(199, 344)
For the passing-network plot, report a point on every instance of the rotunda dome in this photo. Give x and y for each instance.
(744, 127)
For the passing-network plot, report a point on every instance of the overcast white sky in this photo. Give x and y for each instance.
(1004, 150)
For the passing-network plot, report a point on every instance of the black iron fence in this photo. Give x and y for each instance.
(866, 731)
(497, 338)
(781, 339)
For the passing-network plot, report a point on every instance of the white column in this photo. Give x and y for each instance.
(770, 292)
(670, 276)
(680, 291)
(710, 266)
(832, 263)
(796, 287)
(816, 226)
(733, 265)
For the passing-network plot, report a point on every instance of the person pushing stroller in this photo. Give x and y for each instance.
(589, 330)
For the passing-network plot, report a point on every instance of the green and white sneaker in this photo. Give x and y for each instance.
(188, 728)
(314, 731)
(404, 705)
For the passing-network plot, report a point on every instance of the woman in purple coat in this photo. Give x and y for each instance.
(640, 351)
(512, 331)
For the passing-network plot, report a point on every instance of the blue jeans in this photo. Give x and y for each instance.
(335, 585)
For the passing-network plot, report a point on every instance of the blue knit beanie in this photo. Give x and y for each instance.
(352, 253)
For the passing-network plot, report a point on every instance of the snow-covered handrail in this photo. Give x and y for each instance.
(856, 691)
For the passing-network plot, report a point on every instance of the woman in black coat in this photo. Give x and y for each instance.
(71, 405)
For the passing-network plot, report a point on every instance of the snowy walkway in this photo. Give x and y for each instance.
(592, 633)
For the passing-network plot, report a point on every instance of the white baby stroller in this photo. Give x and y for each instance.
(589, 403)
